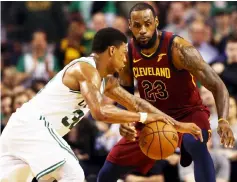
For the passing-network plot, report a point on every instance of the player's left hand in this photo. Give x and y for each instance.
(226, 134)
(128, 131)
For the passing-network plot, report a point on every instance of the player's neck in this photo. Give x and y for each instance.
(154, 48)
(101, 66)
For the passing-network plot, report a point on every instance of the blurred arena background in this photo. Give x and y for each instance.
(40, 38)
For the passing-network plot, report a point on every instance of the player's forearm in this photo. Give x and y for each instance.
(113, 114)
(221, 97)
(137, 104)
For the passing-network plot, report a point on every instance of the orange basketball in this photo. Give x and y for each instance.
(158, 140)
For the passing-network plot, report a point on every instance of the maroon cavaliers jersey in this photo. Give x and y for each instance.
(172, 91)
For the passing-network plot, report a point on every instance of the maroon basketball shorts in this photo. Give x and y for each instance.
(126, 153)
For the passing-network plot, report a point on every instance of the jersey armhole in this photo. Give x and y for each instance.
(170, 52)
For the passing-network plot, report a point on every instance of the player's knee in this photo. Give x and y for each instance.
(193, 146)
(108, 173)
(103, 174)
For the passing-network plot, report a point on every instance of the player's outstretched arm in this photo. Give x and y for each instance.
(133, 103)
(89, 81)
(185, 56)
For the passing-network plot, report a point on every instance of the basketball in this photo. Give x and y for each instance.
(158, 140)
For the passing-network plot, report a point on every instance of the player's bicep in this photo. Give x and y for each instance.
(93, 97)
(89, 81)
(186, 56)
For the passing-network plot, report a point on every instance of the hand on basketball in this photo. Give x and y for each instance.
(128, 131)
(191, 128)
(226, 134)
(157, 117)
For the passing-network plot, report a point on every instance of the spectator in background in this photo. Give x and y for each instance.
(29, 16)
(37, 85)
(221, 164)
(108, 8)
(19, 100)
(98, 21)
(201, 10)
(30, 93)
(234, 20)
(38, 64)
(121, 24)
(222, 25)
(70, 47)
(199, 40)
(9, 79)
(6, 109)
(176, 21)
(233, 25)
(227, 70)
(11, 51)
(81, 8)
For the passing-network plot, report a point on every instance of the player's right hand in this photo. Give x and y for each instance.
(128, 131)
(157, 117)
(190, 128)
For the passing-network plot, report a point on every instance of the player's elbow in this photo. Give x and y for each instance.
(98, 114)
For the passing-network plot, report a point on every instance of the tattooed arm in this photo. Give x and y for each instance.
(186, 57)
(133, 103)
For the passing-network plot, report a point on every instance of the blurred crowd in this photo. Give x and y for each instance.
(39, 38)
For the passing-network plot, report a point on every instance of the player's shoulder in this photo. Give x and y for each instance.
(83, 68)
(89, 60)
(180, 42)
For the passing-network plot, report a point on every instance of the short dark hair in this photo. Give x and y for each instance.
(39, 31)
(232, 38)
(140, 7)
(107, 37)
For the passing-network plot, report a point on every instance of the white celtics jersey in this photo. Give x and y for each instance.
(62, 107)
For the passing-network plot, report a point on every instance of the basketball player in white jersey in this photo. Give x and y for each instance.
(32, 139)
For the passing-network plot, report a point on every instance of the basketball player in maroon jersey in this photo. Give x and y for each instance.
(166, 66)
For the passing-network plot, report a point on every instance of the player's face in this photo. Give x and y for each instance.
(119, 57)
(143, 25)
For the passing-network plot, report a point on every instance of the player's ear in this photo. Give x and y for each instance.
(111, 50)
(156, 21)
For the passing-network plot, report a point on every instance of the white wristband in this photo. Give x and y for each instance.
(143, 117)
